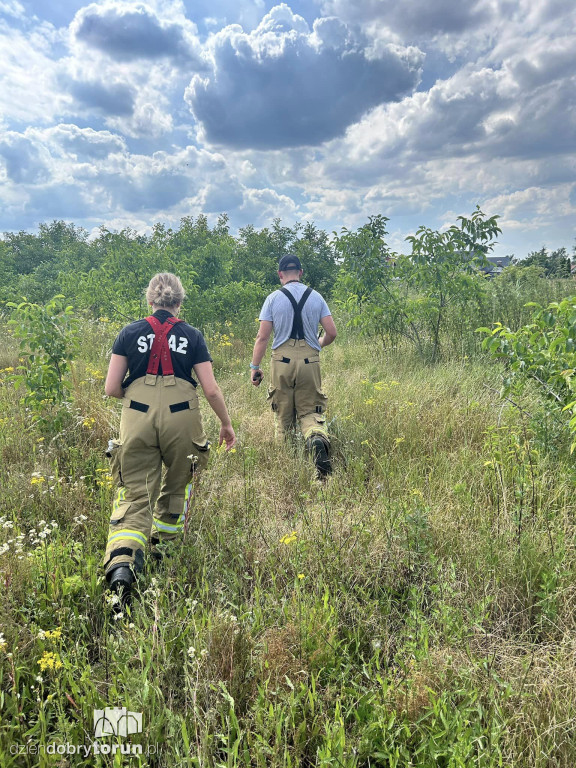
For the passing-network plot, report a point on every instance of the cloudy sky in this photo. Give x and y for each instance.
(124, 113)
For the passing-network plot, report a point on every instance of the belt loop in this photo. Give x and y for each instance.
(150, 379)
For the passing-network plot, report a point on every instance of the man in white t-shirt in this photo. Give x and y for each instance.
(294, 313)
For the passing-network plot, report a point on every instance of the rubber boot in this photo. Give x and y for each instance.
(318, 447)
(120, 582)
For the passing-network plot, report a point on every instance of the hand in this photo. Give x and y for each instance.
(257, 377)
(227, 436)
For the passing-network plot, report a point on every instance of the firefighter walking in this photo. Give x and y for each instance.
(293, 313)
(151, 369)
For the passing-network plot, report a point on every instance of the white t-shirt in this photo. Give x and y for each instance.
(278, 309)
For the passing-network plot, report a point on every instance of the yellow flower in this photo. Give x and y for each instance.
(301, 576)
(10, 369)
(370, 401)
(89, 422)
(49, 660)
(289, 538)
(399, 440)
(105, 481)
(53, 634)
(37, 480)
(416, 492)
(103, 319)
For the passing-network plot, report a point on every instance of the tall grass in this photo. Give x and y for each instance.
(416, 610)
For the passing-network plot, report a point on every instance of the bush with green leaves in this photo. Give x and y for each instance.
(543, 351)
(48, 342)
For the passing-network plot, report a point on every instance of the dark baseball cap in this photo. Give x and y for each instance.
(288, 263)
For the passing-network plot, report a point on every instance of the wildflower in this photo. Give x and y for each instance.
(3, 643)
(112, 598)
(399, 440)
(289, 538)
(54, 634)
(370, 401)
(379, 386)
(4, 548)
(49, 661)
(8, 524)
(119, 615)
(10, 369)
(191, 652)
(301, 576)
(89, 422)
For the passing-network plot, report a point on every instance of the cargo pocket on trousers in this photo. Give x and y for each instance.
(199, 457)
(114, 454)
(270, 398)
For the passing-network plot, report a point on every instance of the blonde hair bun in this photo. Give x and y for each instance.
(165, 290)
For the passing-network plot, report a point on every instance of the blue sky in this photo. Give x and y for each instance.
(124, 114)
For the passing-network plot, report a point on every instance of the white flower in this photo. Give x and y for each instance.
(118, 616)
(191, 652)
(112, 599)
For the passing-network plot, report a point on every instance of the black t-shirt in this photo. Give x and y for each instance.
(187, 347)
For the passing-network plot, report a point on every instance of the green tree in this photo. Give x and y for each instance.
(408, 295)
(553, 265)
(444, 267)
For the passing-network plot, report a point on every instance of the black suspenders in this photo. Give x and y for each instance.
(297, 324)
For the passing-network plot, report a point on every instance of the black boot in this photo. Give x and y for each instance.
(319, 447)
(120, 582)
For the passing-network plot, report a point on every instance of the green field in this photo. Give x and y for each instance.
(418, 609)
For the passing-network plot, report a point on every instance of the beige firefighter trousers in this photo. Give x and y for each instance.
(160, 424)
(295, 391)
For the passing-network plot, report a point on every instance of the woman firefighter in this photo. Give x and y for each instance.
(151, 369)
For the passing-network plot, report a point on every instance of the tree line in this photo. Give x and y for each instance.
(412, 297)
